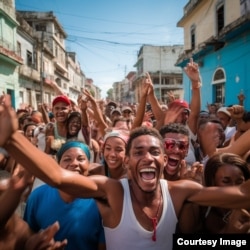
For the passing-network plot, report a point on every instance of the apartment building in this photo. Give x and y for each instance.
(217, 35)
(159, 62)
(9, 57)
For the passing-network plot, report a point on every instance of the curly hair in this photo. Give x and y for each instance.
(174, 128)
(144, 130)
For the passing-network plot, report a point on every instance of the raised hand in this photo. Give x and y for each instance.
(8, 119)
(192, 71)
(172, 114)
(148, 85)
(236, 111)
(88, 96)
(82, 102)
(241, 97)
(194, 172)
(171, 96)
(238, 222)
(43, 240)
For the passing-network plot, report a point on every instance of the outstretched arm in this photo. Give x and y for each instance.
(233, 197)
(155, 105)
(45, 167)
(55, 86)
(102, 125)
(192, 71)
(36, 161)
(83, 105)
(141, 107)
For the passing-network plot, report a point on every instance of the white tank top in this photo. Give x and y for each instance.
(130, 235)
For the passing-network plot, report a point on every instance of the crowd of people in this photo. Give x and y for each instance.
(104, 175)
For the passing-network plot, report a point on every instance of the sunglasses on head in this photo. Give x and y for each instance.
(172, 143)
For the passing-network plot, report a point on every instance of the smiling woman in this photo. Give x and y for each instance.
(88, 232)
(114, 153)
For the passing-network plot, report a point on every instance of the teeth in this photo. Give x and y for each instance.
(174, 158)
(147, 170)
(112, 161)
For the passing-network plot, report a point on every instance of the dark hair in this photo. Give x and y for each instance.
(203, 122)
(246, 116)
(221, 159)
(72, 115)
(24, 117)
(27, 125)
(177, 128)
(142, 131)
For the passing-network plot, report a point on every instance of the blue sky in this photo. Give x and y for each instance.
(107, 34)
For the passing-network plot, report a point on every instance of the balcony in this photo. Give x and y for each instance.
(61, 67)
(30, 73)
(8, 50)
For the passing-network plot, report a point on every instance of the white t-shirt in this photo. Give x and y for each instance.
(130, 235)
(39, 132)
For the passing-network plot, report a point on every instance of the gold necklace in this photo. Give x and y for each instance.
(154, 219)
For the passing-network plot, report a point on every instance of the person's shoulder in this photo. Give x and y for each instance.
(41, 190)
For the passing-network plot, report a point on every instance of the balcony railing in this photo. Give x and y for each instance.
(9, 50)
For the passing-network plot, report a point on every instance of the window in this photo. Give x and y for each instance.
(58, 81)
(220, 17)
(38, 97)
(219, 80)
(166, 81)
(56, 51)
(156, 80)
(21, 97)
(244, 7)
(219, 90)
(29, 60)
(179, 81)
(192, 35)
(40, 27)
(19, 48)
(35, 60)
(219, 75)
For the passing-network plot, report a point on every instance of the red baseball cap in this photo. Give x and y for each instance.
(61, 98)
(182, 103)
(178, 102)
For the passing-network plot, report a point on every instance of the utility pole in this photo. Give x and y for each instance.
(41, 68)
(160, 78)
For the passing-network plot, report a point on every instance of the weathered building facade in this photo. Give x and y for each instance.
(159, 62)
(9, 56)
(217, 36)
